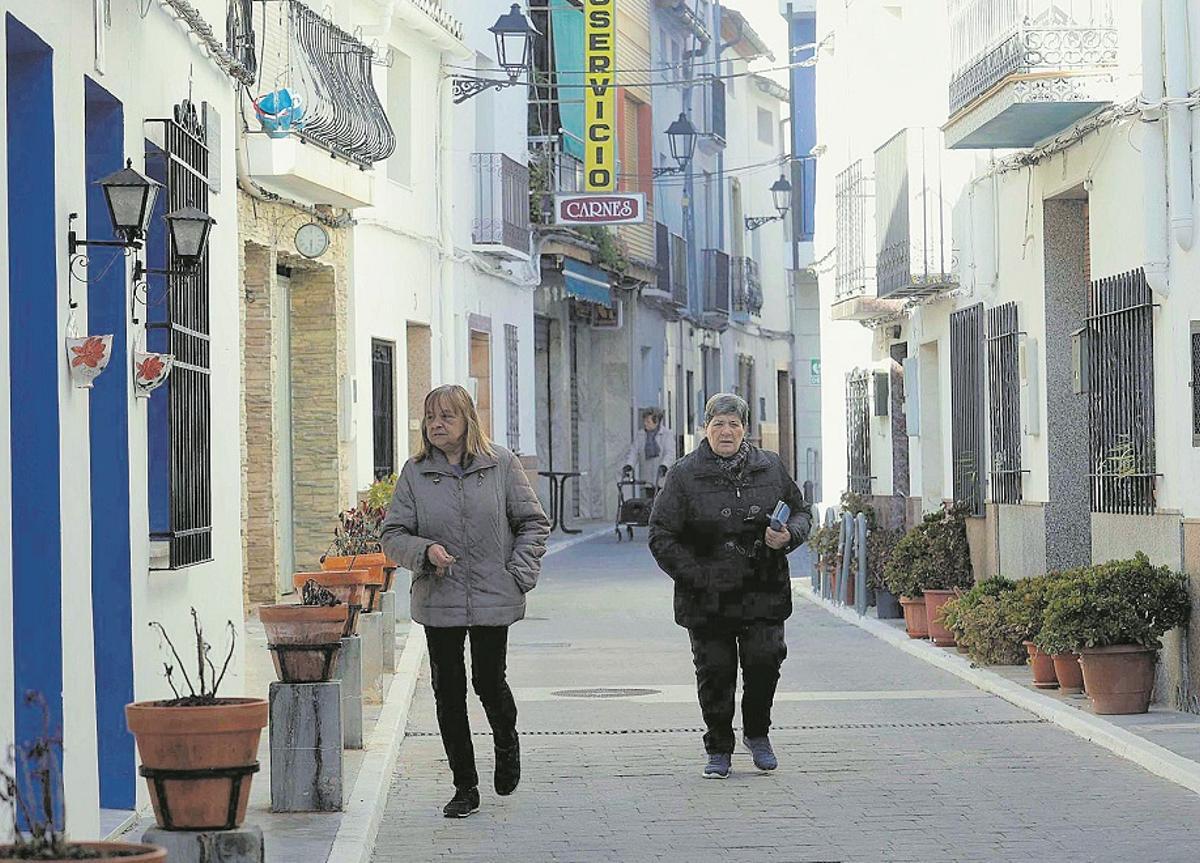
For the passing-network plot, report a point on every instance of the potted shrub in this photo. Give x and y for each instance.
(1024, 607)
(356, 546)
(36, 807)
(881, 545)
(305, 639)
(980, 626)
(824, 544)
(1113, 615)
(944, 569)
(901, 575)
(379, 499)
(199, 752)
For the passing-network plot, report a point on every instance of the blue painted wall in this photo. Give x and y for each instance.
(802, 30)
(36, 354)
(112, 600)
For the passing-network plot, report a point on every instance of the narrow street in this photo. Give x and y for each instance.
(882, 757)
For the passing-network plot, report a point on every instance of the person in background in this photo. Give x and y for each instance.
(710, 531)
(653, 448)
(465, 520)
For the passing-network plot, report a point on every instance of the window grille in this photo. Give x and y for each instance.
(966, 400)
(853, 197)
(1120, 334)
(858, 432)
(383, 406)
(1195, 383)
(1004, 402)
(512, 360)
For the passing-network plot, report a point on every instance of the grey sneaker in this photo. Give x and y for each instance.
(718, 766)
(760, 749)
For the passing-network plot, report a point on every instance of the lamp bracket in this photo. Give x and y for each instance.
(667, 171)
(466, 86)
(753, 223)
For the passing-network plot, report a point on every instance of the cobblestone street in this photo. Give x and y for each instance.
(882, 758)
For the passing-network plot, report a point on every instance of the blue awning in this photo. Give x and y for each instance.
(586, 282)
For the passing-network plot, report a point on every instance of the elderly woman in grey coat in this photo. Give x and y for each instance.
(465, 520)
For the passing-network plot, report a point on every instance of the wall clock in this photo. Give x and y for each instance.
(312, 240)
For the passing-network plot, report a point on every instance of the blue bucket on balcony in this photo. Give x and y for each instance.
(279, 112)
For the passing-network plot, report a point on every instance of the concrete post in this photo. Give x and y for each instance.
(244, 845)
(387, 607)
(306, 747)
(349, 673)
(370, 632)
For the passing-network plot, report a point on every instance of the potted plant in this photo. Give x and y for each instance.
(881, 546)
(348, 586)
(199, 752)
(901, 575)
(981, 628)
(379, 499)
(1024, 608)
(944, 568)
(305, 639)
(824, 543)
(31, 786)
(356, 546)
(1113, 615)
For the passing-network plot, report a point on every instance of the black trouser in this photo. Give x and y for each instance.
(489, 648)
(715, 651)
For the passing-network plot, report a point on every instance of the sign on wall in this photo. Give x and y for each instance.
(600, 114)
(599, 209)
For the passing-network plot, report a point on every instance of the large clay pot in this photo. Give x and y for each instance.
(915, 621)
(198, 761)
(1119, 679)
(1043, 667)
(374, 564)
(305, 639)
(887, 607)
(938, 633)
(104, 851)
(349, 586)
(1068, 672)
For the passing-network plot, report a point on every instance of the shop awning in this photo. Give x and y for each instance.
(585, 282)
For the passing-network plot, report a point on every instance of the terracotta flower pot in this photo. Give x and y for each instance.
(1068, 672)
(915, 621)
(373, 563)
(105, 851)
(1043, 667)
(198, 761)
(305, 639)
(349, 586)
(938, 633)
(1119, 679)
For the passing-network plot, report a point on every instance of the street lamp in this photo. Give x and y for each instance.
(189, 227)
(514, 53)
(130, 197)
(681, 138)
(781, 193)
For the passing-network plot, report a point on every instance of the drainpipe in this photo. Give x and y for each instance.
(445, 300)
(1179, 136)
(1154, 199)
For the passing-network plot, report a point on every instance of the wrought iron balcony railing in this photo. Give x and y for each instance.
(551, 170)
(671, 256)
(320, 85)
(716, 282)
(747, 287)
(854, 205)
(501, 203)
(991, 40)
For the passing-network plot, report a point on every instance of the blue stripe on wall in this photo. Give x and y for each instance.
(803, 31)
(112, 599)
(36, 355)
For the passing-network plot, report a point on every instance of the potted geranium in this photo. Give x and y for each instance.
(199, 751)
(1113, 615)
(980, 626)
(36, 805)
(305, 639)
(881, 546)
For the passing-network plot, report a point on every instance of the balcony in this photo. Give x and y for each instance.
(855, 297)
(747, 289)
(716, 289)
(322, 103)
(501, 223)
(552, 170)
(710, 116)
(914, 248)
(1025, 70)
(669, 290)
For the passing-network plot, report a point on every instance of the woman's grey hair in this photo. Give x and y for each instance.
(727, 403)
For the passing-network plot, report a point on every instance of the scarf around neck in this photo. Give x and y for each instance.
(652, 450)
(733, 464)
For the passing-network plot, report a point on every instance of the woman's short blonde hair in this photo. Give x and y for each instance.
(458, 400)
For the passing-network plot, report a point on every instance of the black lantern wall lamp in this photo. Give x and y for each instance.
(681, 138)
(514, 53)
(781, 192)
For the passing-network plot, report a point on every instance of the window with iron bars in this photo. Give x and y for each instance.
(966, 403)
(858, 432)
(1004, 402)
(854, 207)
(1120, 369)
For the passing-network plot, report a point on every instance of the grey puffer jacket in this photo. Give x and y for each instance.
(489, 519)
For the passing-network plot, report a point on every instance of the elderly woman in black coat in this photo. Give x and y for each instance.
(711, 532)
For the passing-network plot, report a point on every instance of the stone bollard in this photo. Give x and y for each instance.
(349, 673)
(402, 587)
(243, 845)
(387, 607)
(370, 631)
(306, 747)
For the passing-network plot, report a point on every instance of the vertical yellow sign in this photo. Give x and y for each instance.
(600, 104)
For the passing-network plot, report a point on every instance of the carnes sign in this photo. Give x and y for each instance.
(594, 209)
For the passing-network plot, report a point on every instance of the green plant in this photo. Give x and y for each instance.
(854, 503)
(379, 495)
(901, 574)
(934, 555)
(207, 696)
(610, 254)
(881, 546)
(1119, 602)
(977, 619)
(824, 543)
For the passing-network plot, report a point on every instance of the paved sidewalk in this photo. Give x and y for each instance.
(883, 757)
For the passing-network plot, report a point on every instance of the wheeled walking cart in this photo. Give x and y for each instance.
(635, 497)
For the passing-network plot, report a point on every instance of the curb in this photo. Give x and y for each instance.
(1157, 759)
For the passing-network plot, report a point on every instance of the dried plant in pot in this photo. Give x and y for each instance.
(305, 639)
(356, 546)
(31, 786)
(199, 752)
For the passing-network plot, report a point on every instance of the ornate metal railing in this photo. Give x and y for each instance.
(853, 201)
(967, 407)
(1004, 402)
(327, 75)
(501, 201)
(747, 287)
(239, 34)
(858, 432)
(993, 39)
(551, 169)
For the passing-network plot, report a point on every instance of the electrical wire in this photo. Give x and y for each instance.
(650, 70)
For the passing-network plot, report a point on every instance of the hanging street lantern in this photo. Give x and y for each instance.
(514, 41)
(681, 138)
(781, 191)
(130, 196)
(189, 227)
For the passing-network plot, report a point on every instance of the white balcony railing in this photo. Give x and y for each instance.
(991, 40)
(501, 222)
(854, 195)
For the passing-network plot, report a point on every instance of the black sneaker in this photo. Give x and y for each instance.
(466, 801)
(508, 769)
